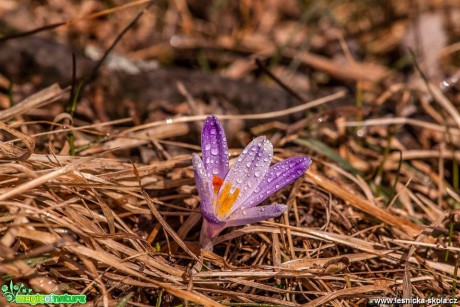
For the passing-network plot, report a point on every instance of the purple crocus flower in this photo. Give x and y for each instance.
(229, 197)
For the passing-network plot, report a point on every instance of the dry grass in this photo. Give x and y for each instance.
(375, 216)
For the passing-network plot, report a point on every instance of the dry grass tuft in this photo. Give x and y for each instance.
(83, 225)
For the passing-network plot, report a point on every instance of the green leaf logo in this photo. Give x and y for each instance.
(12, 290)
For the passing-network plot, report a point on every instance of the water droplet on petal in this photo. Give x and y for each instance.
(239, 180)
(213, 131)
(214, 151)
(215, 171)
(248, 164)
(208, 146)
(257, 174)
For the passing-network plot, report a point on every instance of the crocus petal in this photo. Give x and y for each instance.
(214, 147)
(205, 191)
(255, 214)
(248, 171)
(278, 176)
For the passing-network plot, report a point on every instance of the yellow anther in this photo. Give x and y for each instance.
(226, 200)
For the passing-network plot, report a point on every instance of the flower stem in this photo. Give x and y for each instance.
(208, 232)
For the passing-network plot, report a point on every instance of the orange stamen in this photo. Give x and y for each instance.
(226, 200)
(217, 182)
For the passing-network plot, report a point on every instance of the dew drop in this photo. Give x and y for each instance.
(257, 174)
(214, 151)
(213, 131)
(215, 171)
(239, 180)
(208, 146)
(175, 40)
(248, 164)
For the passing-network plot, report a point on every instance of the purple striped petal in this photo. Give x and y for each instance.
(214, 147)
(249, 169)
(255, 214)
(278, 176)
(205, 189)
